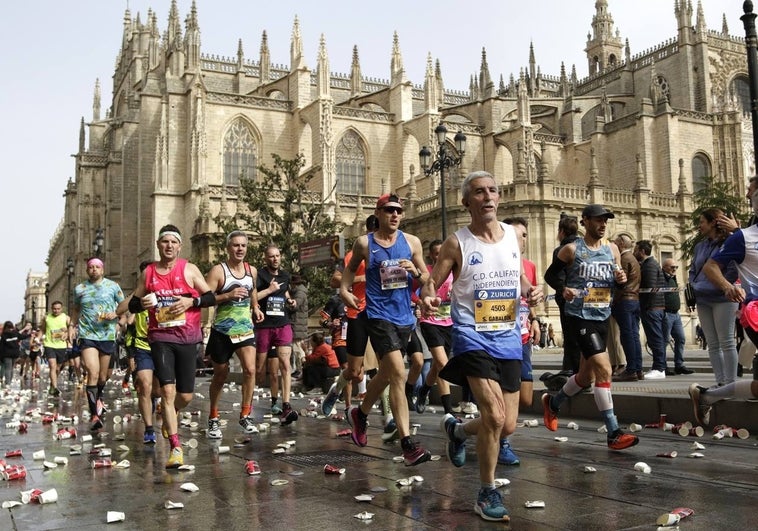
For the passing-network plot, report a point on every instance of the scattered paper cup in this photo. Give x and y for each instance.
(39, 455)
(192, 443)
(61, 460)
(189, 487)
(642, 467)
(572, 425)
(633, 427)
(173, 505)
(222, 449)
(115, 516)
(668, 519)
(49, 496)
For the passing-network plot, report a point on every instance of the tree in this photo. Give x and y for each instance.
(282, 210)
(714, 194)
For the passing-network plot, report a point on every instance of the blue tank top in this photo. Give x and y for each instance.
(388, 286)
(591, 275)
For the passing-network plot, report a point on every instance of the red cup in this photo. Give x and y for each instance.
(14, 472)
(331, 469)
(23, 427)
(102, 463)
(13, 453)
(252, 468)
(34, 495)
(661, 420)
(47, 419)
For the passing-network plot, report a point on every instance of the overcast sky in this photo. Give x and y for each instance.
(52, 52)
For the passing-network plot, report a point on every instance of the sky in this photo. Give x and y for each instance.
(54, 51)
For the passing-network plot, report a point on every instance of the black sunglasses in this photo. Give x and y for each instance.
(392, 210)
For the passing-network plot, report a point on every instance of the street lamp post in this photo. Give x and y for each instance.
(751, 45)
(443, 161)
(99, 242)
(47, 296)
(34, 313)
(69, 273)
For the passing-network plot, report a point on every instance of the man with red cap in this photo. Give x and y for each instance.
(392, 259)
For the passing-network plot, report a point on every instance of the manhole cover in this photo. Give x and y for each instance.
(332, 457)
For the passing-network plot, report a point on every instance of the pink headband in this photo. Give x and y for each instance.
(95, 261)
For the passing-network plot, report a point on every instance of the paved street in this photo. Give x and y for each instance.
(721, 486)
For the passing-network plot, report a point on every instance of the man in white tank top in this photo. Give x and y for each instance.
(488, 281)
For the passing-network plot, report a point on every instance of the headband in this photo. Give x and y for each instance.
(95, 261)
(170, 233)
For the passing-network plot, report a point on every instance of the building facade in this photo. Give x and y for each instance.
(639, 134)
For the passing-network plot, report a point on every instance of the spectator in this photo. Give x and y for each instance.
(626, 313)
(321, 365)
(673, 324)
(550, 336)
(10, 348)
(715, 312)
(299, 319)
(652, 306)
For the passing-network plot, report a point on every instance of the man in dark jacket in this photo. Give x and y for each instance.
(673, 327)
(652, 306)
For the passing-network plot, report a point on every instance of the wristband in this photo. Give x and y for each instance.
(418, 275)
(195, 302)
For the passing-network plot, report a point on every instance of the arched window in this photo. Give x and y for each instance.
(351, 164)
(240, 153)
(741, 91)
(701, 171)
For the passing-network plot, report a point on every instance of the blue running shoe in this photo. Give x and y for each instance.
(454, 448)
(149, 437)
(276, 409)
(390, 432)
(327, 406)
(506, 455)
(489, 505)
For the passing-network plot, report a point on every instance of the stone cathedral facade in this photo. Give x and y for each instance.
(638, 134)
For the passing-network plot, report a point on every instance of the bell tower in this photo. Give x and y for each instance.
(604, 47)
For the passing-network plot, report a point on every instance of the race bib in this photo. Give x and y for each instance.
(239, 338)
(59, 334)
(443, 311)
(495, 310)
(392, 276)
(275, 306)
(164, 318)
(597, 297)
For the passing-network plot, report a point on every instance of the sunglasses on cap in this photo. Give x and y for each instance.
(392, 210)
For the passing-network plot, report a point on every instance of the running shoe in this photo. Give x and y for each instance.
(470, 408)
(548, 415)
(252, 468)
(415, 455)
(97, 424)
(247, 424)
(176, 458)
(287, 416)
(276, 409)
(327, 406)
(359, 426)
(506, 455)
(489, 505)
(423, 395)
(149, 437)
(100, 407)
(214, 429)
(454, 447)
(390, 432)
(702, 411)
(618, 440)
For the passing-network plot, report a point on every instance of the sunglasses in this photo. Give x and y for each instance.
(392, 210)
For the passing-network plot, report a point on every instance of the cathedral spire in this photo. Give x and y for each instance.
(532, 63)
(440, 84)
(240, 56)
(296, 48)
(322, 70)
(192, 40)
(430, 86)
(81, 136)
(485, 81)
(397, 72)
(683, 12)
(96, 102)
(265, 60)
(356, 84)
(724, 25)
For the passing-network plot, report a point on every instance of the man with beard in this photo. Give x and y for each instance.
(593, 266)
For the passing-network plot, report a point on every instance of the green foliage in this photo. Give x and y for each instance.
(714, 194)
(281, 210)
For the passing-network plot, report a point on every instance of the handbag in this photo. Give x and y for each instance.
(689, 296)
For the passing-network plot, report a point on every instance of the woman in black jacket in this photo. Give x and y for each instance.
(10, 348)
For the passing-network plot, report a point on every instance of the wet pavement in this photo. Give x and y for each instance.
(721, 487)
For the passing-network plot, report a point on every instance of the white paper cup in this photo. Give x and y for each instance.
(115, 516)
(192, 443)
(86, 438)
(60, 460)
(152, 300)
(49, 496)
(642, 467)
(39, 455)
(635, 427)
(223, 449)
